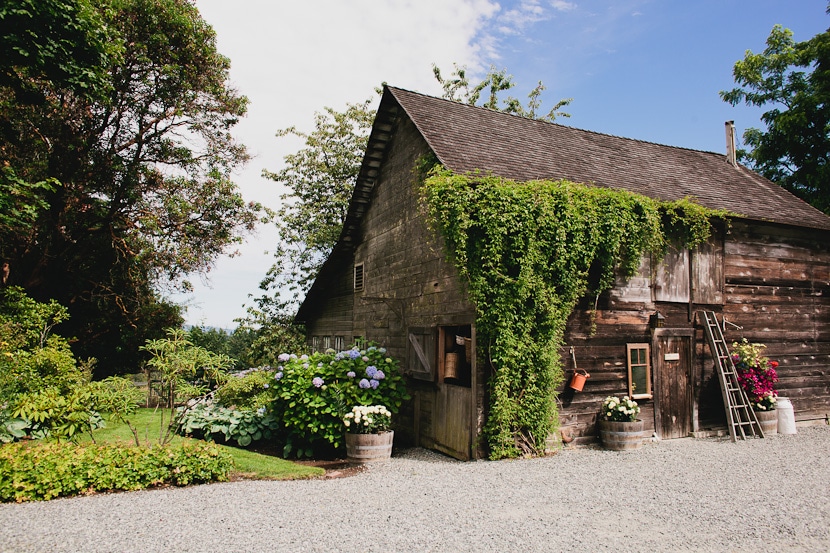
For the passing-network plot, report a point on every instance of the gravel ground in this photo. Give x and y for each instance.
(679, 495)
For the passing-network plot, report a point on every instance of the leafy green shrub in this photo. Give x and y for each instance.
(246, 389)
(59, 415)
(32, 360)
(312, 393)
(30, 472)
(233, 425)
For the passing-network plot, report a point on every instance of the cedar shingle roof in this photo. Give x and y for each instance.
(467, 138)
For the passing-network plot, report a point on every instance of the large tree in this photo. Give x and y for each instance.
(321, 176)
(130, 155)
(793, 81)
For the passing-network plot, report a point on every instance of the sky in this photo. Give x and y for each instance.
(644, 69)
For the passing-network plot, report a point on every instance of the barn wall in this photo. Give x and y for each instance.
(334, 317)
(409, 284)
(778, 290)
(775, 284)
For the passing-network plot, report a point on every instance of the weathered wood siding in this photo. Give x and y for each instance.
(772, 280)
(335, 316)
(622, 317)
(778, 290)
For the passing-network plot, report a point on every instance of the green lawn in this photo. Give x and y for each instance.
(248, 464)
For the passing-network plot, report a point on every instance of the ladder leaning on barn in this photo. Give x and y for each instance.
(740, 416)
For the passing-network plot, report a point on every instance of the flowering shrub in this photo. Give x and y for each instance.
(619, 409)
(367, 419)
(310, 394)
(756, 374)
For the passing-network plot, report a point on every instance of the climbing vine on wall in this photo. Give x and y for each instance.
(529, 251)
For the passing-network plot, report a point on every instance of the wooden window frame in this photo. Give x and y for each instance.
(649, 393)
(421, 358)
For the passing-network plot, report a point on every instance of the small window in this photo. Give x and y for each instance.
(326, 342)
(639, 371)
(339, 343)
(315, 343)
(358, 277)
(421, 353)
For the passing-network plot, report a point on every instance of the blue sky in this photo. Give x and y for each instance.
(645, 69)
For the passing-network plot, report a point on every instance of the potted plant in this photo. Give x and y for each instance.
(368, 433)
(619, 427)
(757, 377)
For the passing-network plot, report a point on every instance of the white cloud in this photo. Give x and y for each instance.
(294, 58)
(562, 6)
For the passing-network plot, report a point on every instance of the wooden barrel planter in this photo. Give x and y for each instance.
(369, 448)
(768, 421)
(619, 435)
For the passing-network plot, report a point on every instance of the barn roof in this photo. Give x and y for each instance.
(467, 138)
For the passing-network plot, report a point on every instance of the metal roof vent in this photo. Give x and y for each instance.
(731, 155)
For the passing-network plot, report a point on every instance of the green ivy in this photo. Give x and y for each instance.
(529, 251)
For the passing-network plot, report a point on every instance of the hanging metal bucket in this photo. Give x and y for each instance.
(578, 379)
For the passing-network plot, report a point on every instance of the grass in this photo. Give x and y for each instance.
(248, 464)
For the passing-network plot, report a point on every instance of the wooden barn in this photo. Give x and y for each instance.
(766, 275)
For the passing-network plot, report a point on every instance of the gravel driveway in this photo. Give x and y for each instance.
(679, 495)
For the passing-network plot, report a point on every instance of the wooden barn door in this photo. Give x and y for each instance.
(672, 363)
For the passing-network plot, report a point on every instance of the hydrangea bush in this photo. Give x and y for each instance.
(756, 374)
(617, 409)
(311, 394)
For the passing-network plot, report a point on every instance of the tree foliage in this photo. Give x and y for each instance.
(115, 121)
(319, 179)
(528, 252)
(458, 89)
(793, 81)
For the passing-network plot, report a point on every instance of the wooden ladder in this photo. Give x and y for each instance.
(740, 416)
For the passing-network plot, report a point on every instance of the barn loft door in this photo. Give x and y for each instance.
(672, 362)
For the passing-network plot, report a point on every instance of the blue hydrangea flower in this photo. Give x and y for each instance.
(320, 365)
(382, 350)
(303, 357)
(351, 374)
(317, 381)
(374, 384)
(354, 354)
(283, 357)
(305, 365)
(371, 370)
(278, 375)
(379, 375)
(364, 383)
(260, 411)
(265, 386)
